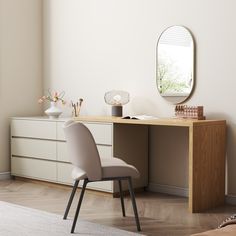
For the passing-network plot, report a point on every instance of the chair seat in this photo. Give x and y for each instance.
(114, 167)
(111, 167)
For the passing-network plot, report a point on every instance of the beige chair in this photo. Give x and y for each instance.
(88, 166)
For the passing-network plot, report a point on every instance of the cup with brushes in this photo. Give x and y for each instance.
(76, 107)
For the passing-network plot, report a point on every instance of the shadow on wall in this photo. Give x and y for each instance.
(142, 105)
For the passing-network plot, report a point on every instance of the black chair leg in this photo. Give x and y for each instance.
(71, 199)
(131, 190)
(79, 205)
(122, 198)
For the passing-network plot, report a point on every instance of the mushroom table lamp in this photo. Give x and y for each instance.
(116, 98)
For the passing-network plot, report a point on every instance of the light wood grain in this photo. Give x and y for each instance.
(207, 166)
(161, 121)
(160, 215)
(207, 140)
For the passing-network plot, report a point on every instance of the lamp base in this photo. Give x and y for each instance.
(116, 111)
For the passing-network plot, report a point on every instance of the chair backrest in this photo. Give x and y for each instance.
(82, 149)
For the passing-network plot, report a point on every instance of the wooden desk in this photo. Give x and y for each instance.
(207, 141)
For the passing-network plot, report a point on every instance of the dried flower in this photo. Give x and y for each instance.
(53, 97)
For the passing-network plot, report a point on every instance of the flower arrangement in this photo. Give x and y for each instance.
(53, 97)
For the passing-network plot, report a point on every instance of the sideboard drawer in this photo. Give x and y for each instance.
(37, 148)
(39, 169)
(62, 153)
(105, 151)
(60, 131)
(33, 129)
(106, 186)
(102, 133)
(64, 173)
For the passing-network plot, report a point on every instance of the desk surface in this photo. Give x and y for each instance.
(207, 139)
(162, 121)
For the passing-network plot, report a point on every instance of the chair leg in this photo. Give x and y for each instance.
(122, 198)
(71, 199)
(134, 203)
(79, 205)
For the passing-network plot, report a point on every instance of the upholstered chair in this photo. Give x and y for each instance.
(90, 167)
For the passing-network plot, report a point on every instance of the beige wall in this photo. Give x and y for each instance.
(93, 46)
(20, 65)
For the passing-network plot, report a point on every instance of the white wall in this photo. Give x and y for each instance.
(20, 66)
(93, 46)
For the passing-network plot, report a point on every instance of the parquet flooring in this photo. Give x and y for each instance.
(161, 215)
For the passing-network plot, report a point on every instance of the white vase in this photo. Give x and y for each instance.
(53, 111)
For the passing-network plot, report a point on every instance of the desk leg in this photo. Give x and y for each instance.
(206, 166)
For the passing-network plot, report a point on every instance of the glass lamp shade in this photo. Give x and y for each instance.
(116, 97)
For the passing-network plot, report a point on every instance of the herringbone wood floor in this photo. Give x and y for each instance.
(160, 214)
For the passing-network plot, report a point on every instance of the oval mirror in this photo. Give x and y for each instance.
(175, 64)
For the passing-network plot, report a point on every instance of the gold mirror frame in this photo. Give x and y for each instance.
(175, 74)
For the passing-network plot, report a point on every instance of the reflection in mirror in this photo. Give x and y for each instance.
(175, 64)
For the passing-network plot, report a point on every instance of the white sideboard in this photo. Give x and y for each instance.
(38, 150)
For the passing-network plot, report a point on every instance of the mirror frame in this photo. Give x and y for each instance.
(178, 99)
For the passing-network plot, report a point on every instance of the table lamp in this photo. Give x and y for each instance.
(116, 98)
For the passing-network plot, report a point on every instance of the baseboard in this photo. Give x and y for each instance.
(230, 199)
(173, 190)
(5, 175)
(183, 192)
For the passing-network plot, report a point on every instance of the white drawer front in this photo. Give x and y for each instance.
(35, 129)
(102, 133)
(45, 170)
(106, 186)
(62, 153)
(64, 173)
(105, 151)
(44, 149)
(60, 131)
(64, 176)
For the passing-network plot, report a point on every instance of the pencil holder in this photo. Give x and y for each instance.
(76, 107)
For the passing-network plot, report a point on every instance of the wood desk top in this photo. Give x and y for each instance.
(161, 121)
(206, 151)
